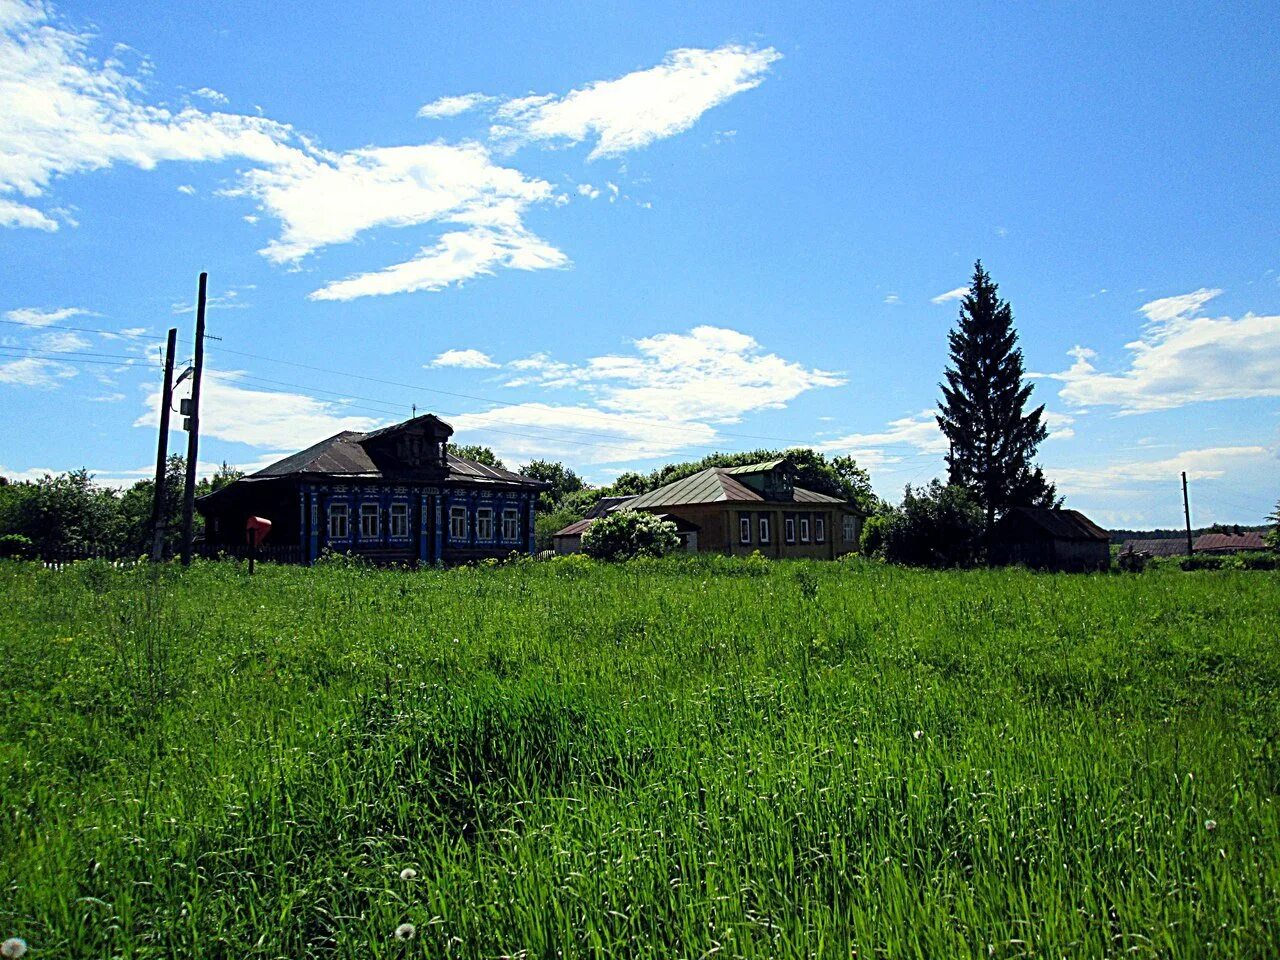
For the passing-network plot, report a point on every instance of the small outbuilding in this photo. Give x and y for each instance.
(1229, 542)
(1046, 539)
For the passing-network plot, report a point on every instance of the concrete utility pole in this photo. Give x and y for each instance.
(1186, 511)
(158, 517)
(193, 427)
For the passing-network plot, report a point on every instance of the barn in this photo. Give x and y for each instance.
(395, 495)
(1046, 539)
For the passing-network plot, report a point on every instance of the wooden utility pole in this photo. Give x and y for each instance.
(1186, 511)
(193, 427)
(158, 513)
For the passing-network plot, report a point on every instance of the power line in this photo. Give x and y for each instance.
(61, 359)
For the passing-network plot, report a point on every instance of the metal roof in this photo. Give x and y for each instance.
(344, 455)
(1158, 547)
(575, 529)
(763, 467)
(716, 485)
(1060, 524)
(1230, 541)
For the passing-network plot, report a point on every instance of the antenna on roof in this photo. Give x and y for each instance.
(415, 409)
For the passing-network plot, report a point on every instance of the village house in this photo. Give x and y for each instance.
(396, 495)
(1046, 539)
(741, 510)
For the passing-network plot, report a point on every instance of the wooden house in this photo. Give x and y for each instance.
(1047, 539)
(396, 495)
(739, 510)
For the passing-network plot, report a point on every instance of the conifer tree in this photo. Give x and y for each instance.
(993, 441)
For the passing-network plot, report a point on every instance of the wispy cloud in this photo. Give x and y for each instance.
(906, 437)
(1202, 464)
(36, 317)
(35, 373)
(959, 293)
(636, 109)
(453, 106)
(1181, 358)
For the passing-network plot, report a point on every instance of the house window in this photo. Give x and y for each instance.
(399, 520)
(457, 523)
(820, 529)
(850, 529)
(484, 523)
(338, 521)
(764, 529)
(510, 524)
(804, 529)
(370, 516)
(790, 529)
(744, 529)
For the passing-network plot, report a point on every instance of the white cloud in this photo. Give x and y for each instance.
(35, 317)
(261, 418)
(1059, 424)
(1181, 358)
(35, 373)
(588, 191)
(108, 398)
(638, 108)
(892, 298)
(710, 374)
(1204, 464)
(1176, 308)
(14, 214)
(187, 188)
(958, 293)
(467, 359)
(458, 256)
(452, 106)
(61, 341)
(905, 437)
(30, 475)
(213, 96)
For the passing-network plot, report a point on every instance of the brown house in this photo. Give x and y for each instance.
(1047, 539)
(739, 510)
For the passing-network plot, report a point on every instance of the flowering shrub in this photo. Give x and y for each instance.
(629, 533)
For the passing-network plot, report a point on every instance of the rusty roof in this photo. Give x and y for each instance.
(717, 485)
(575, 529)
(1158, 547)
(1060, 524)
(1230, 541)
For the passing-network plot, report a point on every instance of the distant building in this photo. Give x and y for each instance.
(1047, 539)
(395, 495)
(1159, 547)
(739, 510)
(1228, 542)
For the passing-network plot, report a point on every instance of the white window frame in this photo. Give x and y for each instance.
(458, 512)
(804, 529)
(789, 526)
(339, 511)
(819, 529)
(370, 511)
(510, 524)
(744, 528)
(850, 528)
(484, 523)
(764, 530)
(398, 521)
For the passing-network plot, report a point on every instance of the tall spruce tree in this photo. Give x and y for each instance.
(993, 441)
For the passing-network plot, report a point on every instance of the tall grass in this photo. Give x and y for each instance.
(691, 759)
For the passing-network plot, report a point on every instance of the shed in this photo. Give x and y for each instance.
(1229, 542)
(1048, 539)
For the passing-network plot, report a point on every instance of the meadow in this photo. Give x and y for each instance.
(658, 759)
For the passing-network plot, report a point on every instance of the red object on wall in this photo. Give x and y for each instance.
(257, 529)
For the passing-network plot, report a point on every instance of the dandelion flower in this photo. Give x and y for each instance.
(13, 948)
(1211, 825)
(405, 931)
(408, 873)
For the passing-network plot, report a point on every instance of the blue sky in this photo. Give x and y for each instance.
(619, 236)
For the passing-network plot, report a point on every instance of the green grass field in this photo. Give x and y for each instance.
(695, 759)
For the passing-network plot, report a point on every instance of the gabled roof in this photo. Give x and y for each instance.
(575, 529)
(344, 455)
(717, 485)
(1160, 547)
(1059, 524)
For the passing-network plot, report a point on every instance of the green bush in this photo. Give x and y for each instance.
(629, 533)
(16, 547)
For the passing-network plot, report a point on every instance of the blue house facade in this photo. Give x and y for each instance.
(396, 495)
